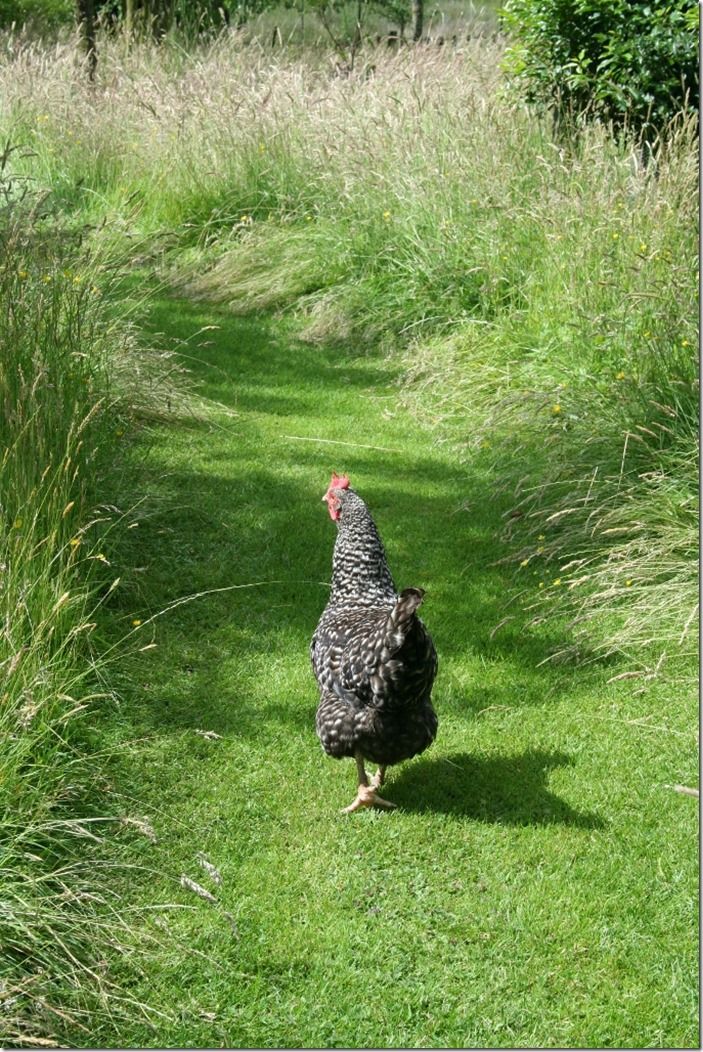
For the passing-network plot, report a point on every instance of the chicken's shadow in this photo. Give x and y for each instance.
(510, 789)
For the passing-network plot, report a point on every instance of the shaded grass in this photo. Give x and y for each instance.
(537, 885)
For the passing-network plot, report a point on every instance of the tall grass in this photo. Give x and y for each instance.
(585, 400)
(546, 292)
(64, 414)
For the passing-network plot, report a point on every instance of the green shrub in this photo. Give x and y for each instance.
(631, 63)
(38, 14)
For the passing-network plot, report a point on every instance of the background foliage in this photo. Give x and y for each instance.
(628, 62)
(40, 15)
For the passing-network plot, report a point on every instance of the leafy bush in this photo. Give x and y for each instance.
(631, 63)
(38, 14)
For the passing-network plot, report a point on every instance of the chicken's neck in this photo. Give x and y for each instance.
(360, 574)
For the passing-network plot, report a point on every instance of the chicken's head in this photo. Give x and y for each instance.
(333, 494)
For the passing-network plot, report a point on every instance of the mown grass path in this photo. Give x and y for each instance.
(537, 885)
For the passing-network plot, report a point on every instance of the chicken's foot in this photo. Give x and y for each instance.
(366, 795)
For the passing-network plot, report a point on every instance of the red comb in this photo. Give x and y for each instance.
(339, 481)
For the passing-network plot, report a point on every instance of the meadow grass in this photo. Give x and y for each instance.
(537, 886)
(546, 291)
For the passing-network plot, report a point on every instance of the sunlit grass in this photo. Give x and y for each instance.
(537, 884)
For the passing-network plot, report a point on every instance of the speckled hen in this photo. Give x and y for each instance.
(373, 658)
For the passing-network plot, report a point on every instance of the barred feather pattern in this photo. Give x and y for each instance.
(373, 658)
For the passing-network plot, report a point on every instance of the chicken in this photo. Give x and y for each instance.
(373, 658)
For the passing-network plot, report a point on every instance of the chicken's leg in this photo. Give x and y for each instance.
(366, 794)
(379, 777)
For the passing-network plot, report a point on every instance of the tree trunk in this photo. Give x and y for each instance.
(417, 15)
(86, 20)
(129, 20)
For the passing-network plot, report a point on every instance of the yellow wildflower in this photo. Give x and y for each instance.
(628, 584)
(615, 236)
(22, 274)
(386, 215)
(136, 622)
(556, 409)
(556, 582)
(620, 375)
(524, 562)
(74, 542)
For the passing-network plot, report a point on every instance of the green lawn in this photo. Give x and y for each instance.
(537, 885)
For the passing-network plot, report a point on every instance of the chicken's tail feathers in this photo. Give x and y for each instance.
(409, 599)
(401, 616)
